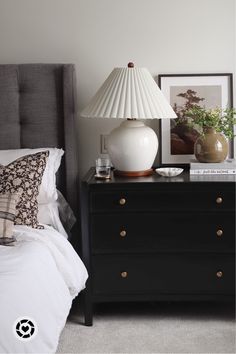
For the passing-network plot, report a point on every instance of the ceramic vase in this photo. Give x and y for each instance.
(211, 146)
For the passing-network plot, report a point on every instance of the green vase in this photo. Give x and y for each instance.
(211, 146)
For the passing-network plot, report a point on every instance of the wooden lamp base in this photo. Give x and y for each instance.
(133, 173)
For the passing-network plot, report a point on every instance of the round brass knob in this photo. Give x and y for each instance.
(124, 274)
(219, 274)
(123, 233)
(219, 200)
(219, 232)
(122, 201)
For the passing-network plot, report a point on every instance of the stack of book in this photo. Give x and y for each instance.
(227, 167)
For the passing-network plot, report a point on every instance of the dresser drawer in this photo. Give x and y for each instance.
(143, 232)
(162, 200)
(163, 274)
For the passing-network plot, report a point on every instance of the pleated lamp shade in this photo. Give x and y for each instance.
(129, 93)
(133, 94)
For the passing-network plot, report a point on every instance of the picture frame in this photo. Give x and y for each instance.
(182, 91)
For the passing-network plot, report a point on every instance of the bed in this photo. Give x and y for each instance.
(40, 274)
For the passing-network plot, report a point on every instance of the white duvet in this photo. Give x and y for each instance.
(39, 277)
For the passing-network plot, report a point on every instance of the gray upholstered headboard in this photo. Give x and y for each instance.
(38, 109)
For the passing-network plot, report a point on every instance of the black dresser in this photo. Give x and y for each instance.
(157, 238)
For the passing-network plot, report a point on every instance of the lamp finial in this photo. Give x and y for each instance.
(130, 65)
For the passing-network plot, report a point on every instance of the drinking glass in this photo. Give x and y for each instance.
(103, 168)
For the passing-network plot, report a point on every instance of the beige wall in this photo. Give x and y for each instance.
(166, 36)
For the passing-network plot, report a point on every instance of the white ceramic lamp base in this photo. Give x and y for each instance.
(132, 148)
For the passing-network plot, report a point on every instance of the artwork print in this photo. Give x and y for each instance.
(184, 92)
(182, 98)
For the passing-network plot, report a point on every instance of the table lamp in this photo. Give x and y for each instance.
(130, 93)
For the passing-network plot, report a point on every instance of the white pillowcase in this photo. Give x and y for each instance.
(57, 214)
(47, 191)
(49, 215)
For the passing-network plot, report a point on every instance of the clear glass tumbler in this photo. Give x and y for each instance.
(103, 168)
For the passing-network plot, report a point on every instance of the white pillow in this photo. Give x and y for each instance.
(49, 215)
(57, 214)
(47, 191)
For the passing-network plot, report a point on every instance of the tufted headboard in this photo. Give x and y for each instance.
(38, 109)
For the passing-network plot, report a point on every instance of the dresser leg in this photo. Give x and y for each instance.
(88, 308)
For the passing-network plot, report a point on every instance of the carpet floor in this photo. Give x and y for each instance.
(153, 328)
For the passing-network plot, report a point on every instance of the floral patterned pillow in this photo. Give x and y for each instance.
(24, 176)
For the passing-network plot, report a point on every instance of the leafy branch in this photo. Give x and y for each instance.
(222, 120)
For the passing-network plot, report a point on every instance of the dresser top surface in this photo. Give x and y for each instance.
(184, 177)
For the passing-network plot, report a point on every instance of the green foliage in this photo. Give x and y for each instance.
(221, 120)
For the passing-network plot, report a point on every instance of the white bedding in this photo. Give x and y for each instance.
(39, 277)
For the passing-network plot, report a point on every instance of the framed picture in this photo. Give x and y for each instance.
(183, 92)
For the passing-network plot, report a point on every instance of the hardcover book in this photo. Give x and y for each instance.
(225, 168)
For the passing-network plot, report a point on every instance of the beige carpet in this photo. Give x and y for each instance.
(153, 328)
